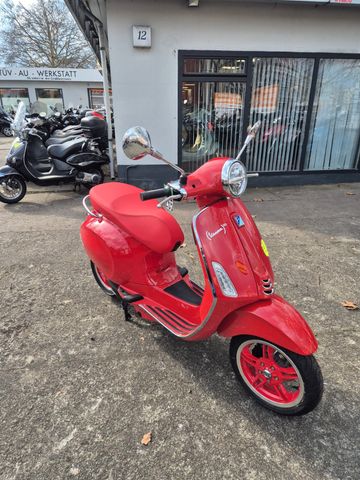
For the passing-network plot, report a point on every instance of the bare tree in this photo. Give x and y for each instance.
(42, 34)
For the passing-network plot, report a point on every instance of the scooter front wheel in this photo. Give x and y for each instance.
(102, 280)
(283, 381)
(7, 131)
(12, 189)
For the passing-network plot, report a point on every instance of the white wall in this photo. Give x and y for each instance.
(145, 81)
(75, 93)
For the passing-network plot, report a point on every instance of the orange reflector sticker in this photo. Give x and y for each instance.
(241, 266)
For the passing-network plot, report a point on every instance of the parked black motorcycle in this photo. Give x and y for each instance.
(77, 161)
(5, 123)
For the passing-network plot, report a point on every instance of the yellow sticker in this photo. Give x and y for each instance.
(16, 143)
(264, 247)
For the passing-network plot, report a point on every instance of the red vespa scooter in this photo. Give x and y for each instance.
(132, 242)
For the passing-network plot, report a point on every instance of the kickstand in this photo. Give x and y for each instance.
(125, 301)
(127, 314)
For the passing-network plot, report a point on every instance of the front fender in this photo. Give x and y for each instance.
(274, 320)
(6, 170)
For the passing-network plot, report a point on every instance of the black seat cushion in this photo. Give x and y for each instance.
(68, 133)
(59, 141)
(65, 149)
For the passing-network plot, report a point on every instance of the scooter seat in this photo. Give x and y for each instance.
(65, 149)
(149, 225)
(59, 141)
(68, 133)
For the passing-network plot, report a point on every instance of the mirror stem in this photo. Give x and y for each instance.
(158, 155)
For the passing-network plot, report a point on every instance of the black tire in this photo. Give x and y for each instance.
(106, 289)
(310, 384)
(7, 132)
(14, 181)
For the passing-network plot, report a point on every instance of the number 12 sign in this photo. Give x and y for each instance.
(141, 36)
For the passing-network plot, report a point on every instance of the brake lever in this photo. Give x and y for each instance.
(169, 200)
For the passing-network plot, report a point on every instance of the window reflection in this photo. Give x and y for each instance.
(212, 121)
(224, 66)
(280, 96)
(335, 122)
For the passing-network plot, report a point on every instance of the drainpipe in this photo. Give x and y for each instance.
(102, 45)
(104, 66)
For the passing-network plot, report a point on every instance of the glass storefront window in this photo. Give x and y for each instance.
(281, 90)
(96, 97)
(280, 96)
(219, 66)
(10, 97)
(50, 96)
(335, 123)
(212, 121)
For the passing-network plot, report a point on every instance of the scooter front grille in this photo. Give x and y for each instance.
(268, 287)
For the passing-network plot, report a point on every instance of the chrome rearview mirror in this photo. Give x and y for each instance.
(137, 144)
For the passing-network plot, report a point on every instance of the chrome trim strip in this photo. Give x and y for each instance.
(88, 211)
(159, 321)
(198, 241)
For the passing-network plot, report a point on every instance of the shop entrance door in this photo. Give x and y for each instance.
(212, 105)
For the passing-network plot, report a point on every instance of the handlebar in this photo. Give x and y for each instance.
(150, 194)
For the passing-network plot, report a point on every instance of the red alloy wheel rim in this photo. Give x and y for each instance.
(277, 384)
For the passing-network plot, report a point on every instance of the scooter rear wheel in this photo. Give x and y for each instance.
(280, 380)
(102, 280)
(12, 189)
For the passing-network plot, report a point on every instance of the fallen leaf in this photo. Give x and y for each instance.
(350, 305)
(146, 439)
(258, 199)
(350, 193)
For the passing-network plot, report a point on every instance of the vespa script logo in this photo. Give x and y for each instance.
(211, 235)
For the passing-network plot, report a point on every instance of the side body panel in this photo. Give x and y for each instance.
(124, 260)
(84, 160)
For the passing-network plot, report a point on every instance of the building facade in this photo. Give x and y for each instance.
(197, 73)
(40, 88)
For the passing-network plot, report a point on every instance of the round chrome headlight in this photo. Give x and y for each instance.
(233, 177)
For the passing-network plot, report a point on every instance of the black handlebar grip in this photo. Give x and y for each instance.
(160, 192)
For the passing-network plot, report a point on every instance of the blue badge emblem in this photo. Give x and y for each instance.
(239, 221)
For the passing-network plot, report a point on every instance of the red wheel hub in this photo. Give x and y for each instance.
(269, 373)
